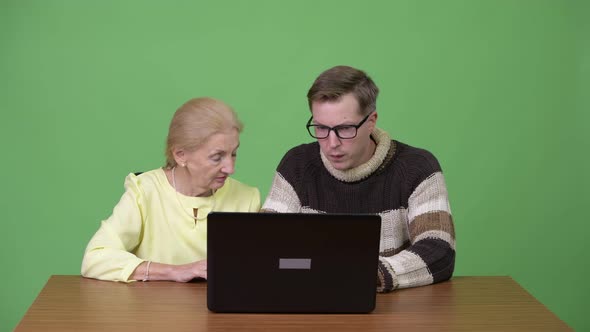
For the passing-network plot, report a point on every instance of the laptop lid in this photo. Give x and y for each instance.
(292, 262)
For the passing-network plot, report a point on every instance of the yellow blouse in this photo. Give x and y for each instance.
(153, 222)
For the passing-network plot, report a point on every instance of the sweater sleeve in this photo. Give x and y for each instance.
(108, 254)
(430, 257)
(281, 197)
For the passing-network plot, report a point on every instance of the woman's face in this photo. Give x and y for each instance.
(213, 162)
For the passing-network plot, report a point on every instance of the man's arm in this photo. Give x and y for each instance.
(430, 257)
(281, 197)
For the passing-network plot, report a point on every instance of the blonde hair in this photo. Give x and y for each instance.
(195, 121)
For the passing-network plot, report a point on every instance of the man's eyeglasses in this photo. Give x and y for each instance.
(342, 131)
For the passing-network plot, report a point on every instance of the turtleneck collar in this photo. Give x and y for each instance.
(361, 172)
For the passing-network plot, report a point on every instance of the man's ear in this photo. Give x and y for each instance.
(373, 120)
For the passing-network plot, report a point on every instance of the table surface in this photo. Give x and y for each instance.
(74, 303)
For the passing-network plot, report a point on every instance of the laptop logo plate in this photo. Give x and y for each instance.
(294, 263)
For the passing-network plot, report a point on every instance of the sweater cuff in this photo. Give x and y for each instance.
(387, 277)
(129, 268)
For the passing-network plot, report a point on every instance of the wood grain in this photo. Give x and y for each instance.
(73, 303)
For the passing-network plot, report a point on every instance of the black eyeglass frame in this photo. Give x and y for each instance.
(311, 130)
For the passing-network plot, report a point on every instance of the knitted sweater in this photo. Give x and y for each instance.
(402, 184)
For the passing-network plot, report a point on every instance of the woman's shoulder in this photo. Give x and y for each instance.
(235, 186)
(239, 196)
(145, 180)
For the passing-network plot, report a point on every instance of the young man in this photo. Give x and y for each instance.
(355, 167)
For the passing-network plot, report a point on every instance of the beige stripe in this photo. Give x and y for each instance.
(394, 229)
(430, 195)
(282, 197)
(307, 209)
(410, 269)
(433, 221)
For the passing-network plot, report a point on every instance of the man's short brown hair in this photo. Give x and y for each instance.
(340, 80)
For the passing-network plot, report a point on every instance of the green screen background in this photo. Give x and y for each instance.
(497, 90)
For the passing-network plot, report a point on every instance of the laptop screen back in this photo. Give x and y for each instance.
(289, 262)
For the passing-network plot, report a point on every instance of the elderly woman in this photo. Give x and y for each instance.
(158, 230)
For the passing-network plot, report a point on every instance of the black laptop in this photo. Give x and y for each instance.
(291, 262)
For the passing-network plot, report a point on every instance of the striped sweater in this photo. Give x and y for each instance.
(402, 184)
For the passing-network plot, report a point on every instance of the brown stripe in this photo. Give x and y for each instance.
(432, 221)
(395, 251)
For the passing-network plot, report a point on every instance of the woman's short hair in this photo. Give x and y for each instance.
(197, 120)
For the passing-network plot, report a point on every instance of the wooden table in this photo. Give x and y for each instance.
(73, 303)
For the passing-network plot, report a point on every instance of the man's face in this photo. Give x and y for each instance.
(344, 154)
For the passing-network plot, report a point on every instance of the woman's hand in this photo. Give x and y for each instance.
(179, 273)
(188, 272)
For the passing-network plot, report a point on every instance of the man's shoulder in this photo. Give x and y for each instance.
(404, 149)
(300, 160)
(415, 156)
(302, 153)
(306, 149)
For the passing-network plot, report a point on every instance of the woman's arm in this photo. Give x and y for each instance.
(179, 273)
(108, 254)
